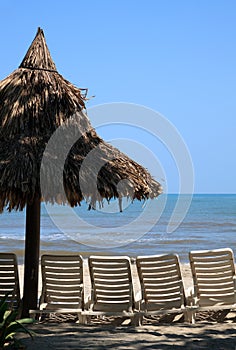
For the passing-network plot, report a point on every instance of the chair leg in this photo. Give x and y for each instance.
(82, 318)
(32, 315)
(36, 315)
(193, 319)
(190, 316)
(88, 319)
(135, 320)
(138, 319)
(186, 317)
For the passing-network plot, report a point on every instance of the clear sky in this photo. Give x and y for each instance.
(175, 57)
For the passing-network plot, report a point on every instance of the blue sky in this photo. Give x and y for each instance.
(175, 57)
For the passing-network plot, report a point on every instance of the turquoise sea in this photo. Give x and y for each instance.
(141, 229)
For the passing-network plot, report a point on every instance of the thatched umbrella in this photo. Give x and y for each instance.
(35, 100)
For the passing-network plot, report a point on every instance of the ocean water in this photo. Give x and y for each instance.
(143, 228)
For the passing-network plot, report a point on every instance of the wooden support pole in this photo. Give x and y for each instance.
(32, 248)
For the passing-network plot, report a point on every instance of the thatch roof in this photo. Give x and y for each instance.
(34, 101)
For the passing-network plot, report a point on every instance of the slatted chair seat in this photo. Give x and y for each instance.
(62, 285)
(9, 280)
(161, 285)
(111, 287)
(214, 279)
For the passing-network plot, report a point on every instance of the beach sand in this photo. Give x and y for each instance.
(206, 333)
(163, 337)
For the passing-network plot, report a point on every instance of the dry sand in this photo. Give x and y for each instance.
(205, 334)
(182, 336)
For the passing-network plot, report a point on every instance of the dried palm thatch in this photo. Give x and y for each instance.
(34, 101)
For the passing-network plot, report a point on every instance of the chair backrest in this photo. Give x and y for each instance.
(161, 282)
(62, 281)
(9, 279)
(213, 276)
(111, 282)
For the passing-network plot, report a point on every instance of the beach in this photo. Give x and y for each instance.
(209, 224)
(64, 333)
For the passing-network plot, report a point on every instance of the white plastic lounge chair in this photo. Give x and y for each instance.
(161, 285)
(214, 280)
(111, 287)
(9, 279)
(62, 285)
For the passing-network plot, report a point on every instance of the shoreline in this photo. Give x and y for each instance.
(210, 222)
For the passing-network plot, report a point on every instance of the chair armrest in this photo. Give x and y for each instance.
(189, 292)
(137, 300)
(191, 298)
(43, 306)
(42, 298)
(138, 296)
(87, 302)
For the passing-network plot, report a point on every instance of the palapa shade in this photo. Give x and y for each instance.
(35, 100)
